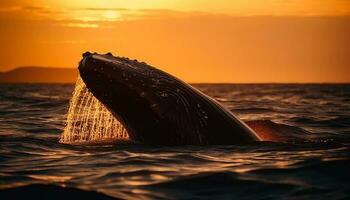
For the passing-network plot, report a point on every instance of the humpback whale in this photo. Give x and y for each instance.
(158, 108)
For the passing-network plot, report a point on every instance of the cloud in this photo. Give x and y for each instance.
(112, 14)
(33, 8)
(63, 42)
(105, 9)
(25, 13)
(82, 25)
(10, 9)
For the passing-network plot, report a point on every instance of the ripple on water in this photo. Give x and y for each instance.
(311, 164)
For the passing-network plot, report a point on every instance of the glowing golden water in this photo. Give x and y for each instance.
(88, 120)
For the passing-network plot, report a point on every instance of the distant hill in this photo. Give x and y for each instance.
(39, 75)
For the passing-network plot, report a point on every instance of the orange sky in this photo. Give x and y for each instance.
(198, 41)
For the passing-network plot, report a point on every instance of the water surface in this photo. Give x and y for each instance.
(311, 162)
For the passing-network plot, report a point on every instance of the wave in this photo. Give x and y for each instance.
(255, 110)
(53, 192)
(298, 181)
(266, 129)
(336, 122)
(271, 131)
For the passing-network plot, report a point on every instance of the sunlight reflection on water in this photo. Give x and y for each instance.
(31, 123)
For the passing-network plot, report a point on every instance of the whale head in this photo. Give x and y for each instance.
(156, 107)
(126, 88)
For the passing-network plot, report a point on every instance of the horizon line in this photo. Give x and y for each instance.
(204, 82)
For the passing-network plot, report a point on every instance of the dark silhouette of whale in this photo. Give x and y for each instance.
(158, 108)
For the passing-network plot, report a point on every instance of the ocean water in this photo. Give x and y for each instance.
(307, 156)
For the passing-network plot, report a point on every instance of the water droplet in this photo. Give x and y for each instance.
(89, 120)
(163, 94)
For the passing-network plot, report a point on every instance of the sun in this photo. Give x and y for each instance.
(111, 15)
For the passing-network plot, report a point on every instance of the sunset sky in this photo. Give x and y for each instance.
(199, 41)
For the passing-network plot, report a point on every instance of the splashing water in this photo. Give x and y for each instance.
(89, 120)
